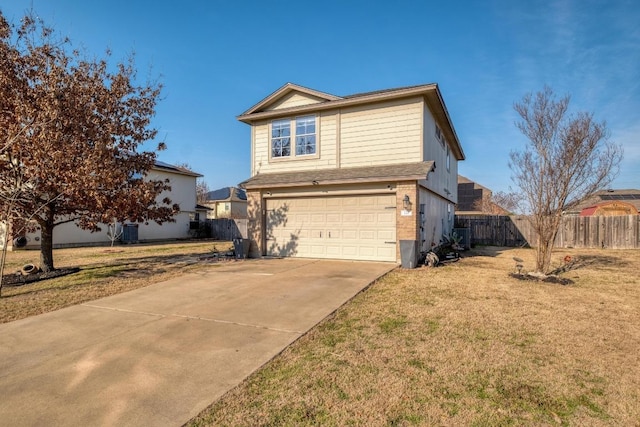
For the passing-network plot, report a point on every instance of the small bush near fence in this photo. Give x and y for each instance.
(615, 232)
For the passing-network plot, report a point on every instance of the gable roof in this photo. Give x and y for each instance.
(397, 172)
(465, 180)
(430, 92)
(227, 194)
(283, 92)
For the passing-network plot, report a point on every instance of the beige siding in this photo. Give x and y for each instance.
(381, 134)
(441, 180)
(326, 145)
(435, 220)
(293, 100)
(261, 144)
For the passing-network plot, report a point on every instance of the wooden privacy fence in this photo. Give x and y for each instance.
(615, 232)
(493, 230)
(228, 228)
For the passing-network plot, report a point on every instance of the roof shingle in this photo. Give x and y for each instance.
(403, 171)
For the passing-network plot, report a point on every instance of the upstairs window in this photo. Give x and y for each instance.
(304, 135)
(440, 136)
(280, 138)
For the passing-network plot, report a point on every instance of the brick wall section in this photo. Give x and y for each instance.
(254, 225)
(406, 226)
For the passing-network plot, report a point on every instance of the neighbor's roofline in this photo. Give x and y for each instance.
(175, 169)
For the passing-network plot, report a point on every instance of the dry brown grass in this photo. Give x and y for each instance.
(463, 344)
(103, 272)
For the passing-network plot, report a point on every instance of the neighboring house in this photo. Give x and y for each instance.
(226, 202)
(183, 192)
(202, 212)
(607, 203)
(350, 177)
(475, 199)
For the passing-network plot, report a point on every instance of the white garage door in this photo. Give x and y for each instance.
(340, 227)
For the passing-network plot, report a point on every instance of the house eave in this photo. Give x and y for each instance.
(362, 175)
(251, 117)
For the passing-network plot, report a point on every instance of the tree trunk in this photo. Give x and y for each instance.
(46, 247)
(543, 256)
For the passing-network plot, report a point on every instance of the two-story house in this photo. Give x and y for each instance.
(349, 177)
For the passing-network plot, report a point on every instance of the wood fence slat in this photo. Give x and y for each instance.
(228, 228)
(615, 232)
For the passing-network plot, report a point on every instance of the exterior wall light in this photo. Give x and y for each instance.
(406, 203)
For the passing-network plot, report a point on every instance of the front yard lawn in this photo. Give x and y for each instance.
(463, 344)
(103, 271)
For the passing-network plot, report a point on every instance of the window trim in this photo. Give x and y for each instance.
(293, 139)
(272, 138)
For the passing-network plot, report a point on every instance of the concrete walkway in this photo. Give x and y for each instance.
(159, 355)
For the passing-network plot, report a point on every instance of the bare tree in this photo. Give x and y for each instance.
(70, 128)
(202, 189)
(500, 203)
(507, 201)
(114, 231)
(566, 158)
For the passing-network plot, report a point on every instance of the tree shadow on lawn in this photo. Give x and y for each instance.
(117, 268)
(577, 260)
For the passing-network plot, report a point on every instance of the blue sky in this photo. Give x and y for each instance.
(218, 58)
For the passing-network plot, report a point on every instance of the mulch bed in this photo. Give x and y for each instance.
(20, 279)
(547, 279)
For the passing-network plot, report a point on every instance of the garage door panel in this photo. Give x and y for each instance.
(386, 235)
(349, 218)
(334, 202)
(350, 234)
(349, 251)
(334, 218)
(387, 252)
(367, 218)
(349, 201)
(317, 202)
(368, 234)
(343, 227)
(334, 251)
(368, 251)
(386, 217)
(305, 233)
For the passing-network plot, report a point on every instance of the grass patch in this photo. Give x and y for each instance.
(464, 344)
(103, 271)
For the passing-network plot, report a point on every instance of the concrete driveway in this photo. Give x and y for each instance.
(159, 355)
